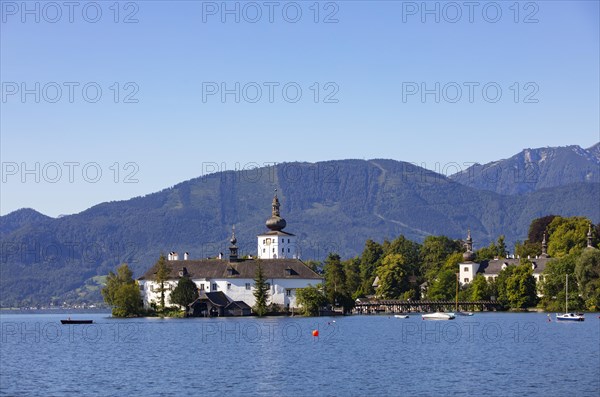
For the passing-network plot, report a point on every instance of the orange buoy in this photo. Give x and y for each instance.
(315, 332)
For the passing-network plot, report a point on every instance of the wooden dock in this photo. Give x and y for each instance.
(380, 306)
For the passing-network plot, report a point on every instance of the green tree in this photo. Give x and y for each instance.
(122, 293)
(552, 285)
(521, 290)
(494, 250)
(567, 235)
(393, 278)
(352, 272)
(369, 261)
(444, 286)
(311, 299)
(434, 252)
(163, 271)
(261, 291)
(184, 293)
(334, 277)
(587, 272)
(479, 289)
(336, 288)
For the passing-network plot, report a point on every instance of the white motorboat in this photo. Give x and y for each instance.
(569, 316)
(401, 315)
(438, 316)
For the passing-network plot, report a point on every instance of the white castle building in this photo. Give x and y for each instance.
(490, 269)
(226, 285)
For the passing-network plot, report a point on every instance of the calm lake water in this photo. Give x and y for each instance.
(489, 354)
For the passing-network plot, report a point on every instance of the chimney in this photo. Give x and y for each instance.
(170, 257)
(175, 256)
(186, 256)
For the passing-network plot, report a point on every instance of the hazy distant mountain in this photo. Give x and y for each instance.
(331, 206)
(534, 169)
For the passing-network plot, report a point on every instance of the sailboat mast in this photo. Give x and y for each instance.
(457, 281)
(567, 295)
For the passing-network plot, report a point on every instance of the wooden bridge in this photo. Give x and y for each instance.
(376, 306)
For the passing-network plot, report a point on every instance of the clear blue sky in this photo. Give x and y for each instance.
(375, 53)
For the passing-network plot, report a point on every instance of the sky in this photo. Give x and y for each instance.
(105, 100)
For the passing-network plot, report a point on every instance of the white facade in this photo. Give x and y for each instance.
(280, 245)
(468, 270)
(281, 292)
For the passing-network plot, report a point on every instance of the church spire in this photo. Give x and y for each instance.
(233, 249)
(544, 247)
(469, 256)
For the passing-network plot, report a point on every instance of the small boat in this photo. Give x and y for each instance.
(69, 321)
(438, 316)
(569, 316)
(463, 313)
(401, 315)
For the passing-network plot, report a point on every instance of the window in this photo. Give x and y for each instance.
(466, 269)
(283, 250)
(288, 240)
(264, 241)
(214, 286)
(248, 286)
(228, 285)
(201, 287)
(273, 249)
(141, 287)
(264, 251)
(269, 285)
(466, 279)
(288, 292)
(282, 241)
(288, 250)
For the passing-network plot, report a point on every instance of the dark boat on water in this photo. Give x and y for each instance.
(69, 321)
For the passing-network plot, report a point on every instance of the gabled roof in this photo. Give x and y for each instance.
(494, 266)
(216, 298)
(244, 268)
(240, 304)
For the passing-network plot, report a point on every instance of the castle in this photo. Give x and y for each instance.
(226, 285)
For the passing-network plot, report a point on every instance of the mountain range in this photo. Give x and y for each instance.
(331, 206)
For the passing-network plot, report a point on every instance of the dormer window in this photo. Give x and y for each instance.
(231, 271)
(290, 272)
(504, 265)
(533, 265)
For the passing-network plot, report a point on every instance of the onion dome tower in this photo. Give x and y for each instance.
(276, 243)
(589, 239)
(544, 247)
(276, 222)
(469, 256)
(233, 249)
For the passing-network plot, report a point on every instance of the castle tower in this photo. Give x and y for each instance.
(276, 243)
(233, 249)
(544, 248)
(468, 268)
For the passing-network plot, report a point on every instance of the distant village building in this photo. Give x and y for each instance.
(490, 269)
(226, 285)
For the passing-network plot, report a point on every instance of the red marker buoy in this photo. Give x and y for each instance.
(315, 333)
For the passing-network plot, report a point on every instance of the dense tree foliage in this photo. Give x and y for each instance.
(587, 273)
(184, 293)
(311, 299)
(122, 293)
(567, 235)
(162, 276)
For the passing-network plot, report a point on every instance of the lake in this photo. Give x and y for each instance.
(489, 354)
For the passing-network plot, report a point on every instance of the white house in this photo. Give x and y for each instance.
(490, 269)
(227, 280)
